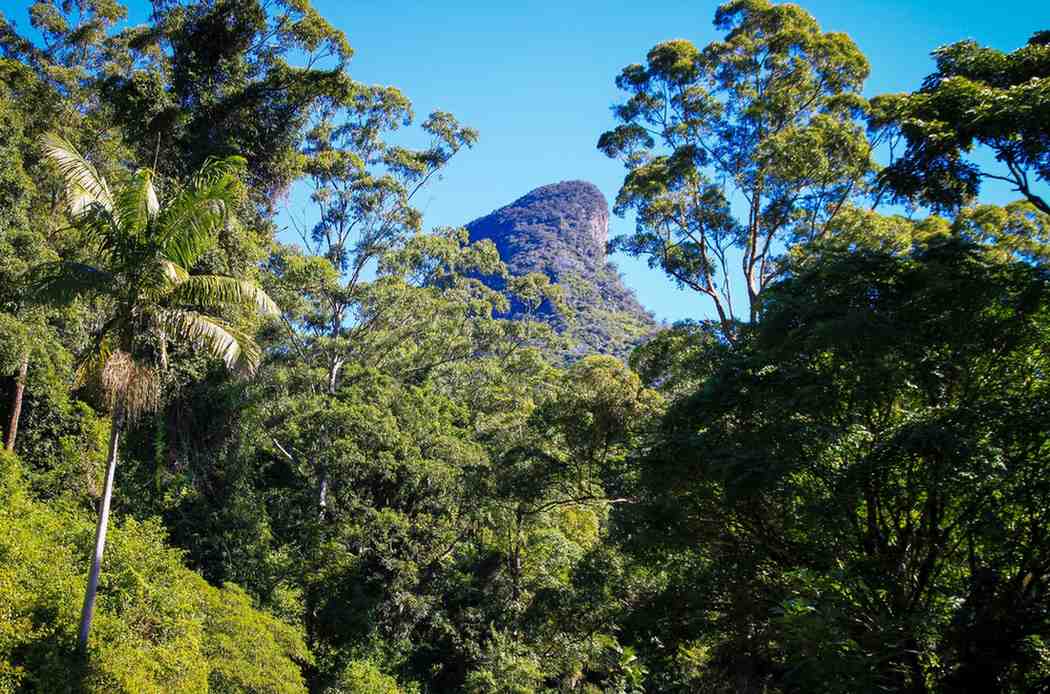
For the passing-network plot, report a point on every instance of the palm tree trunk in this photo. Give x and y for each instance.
(88, 612)
(16, 406)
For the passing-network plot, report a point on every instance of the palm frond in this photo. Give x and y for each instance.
(90, 363)
(215, 168)
(190, 222)
(135, 203)
(84, 185)
(157, 278)
(217, 337)
(63, 281)
(219, 291)
(173, 272)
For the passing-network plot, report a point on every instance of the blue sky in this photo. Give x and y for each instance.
(536, 79)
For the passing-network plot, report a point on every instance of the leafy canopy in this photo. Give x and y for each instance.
(977, 97)
(767, 116)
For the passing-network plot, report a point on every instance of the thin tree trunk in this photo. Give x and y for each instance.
(322, 493)
(16, 406)
(322, 485)
(88, 612)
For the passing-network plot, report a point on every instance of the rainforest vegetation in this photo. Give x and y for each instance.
(334, 460)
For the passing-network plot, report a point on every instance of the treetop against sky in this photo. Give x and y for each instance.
(536, 80)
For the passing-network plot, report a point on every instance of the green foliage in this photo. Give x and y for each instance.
(977, 97)
(160, 628)
(864, 483)
(361, 677)
(768, 113)
(848, 492)
(506, 667)
(224, 78)
(248, 650)
(677, 360)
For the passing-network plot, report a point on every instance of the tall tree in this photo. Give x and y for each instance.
(977, 97)
(857, 497)
(15, 235)
(363, 188)
(146, 292)
(766, 117)
(222, 77)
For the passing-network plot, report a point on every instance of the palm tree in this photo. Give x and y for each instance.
(145, 251)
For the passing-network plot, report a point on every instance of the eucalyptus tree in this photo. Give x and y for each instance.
(145, 293)
(363, 188)
(766, 119)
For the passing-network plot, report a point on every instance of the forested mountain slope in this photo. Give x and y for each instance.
(384, 458)
(561, 230)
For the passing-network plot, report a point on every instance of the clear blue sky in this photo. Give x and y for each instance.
(536, 79)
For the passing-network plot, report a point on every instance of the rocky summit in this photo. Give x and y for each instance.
(561, 230)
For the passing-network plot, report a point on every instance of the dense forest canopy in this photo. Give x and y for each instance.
(371, 456)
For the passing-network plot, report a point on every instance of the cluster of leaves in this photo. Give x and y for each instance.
(847, 492)
(978, 96)
(860, 492)
(161, 627)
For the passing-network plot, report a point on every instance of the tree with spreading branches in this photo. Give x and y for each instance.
(979, 98)
(145, 293)
(740, 149)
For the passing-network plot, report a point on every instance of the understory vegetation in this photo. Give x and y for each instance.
(333, 459)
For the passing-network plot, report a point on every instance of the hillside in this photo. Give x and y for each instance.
(561, 230)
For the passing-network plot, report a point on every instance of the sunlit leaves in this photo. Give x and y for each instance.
(767, 115)
(978, 96)
(145, 254)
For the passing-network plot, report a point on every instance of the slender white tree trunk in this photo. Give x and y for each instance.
(88, 612)
(322, 493)
(16, 406)
(322, 486)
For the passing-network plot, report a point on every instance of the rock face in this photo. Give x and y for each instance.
(561, 230)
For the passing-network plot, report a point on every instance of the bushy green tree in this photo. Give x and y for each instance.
(160, 627)
(978, 97)
(213, 79)
(858, 494)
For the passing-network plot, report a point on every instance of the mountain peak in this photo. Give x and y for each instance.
(561, 230)
(577, 208)
(569, 213)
